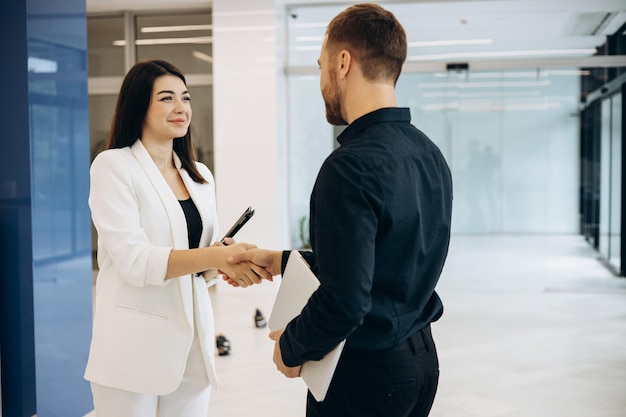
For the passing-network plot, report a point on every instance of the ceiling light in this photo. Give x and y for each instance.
(487, 107)
(309, 48)
(517, 74)
(159, 29)
(224, 29)
(310, 25)
(168, 41)
(475, 75)
(437, 94)
(486, 84)
(451, 42)
(568, 72)
(202, 56)
(309, 38)
(502, 54)
(482, 94)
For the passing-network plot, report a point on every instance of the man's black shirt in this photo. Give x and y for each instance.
(380, 216)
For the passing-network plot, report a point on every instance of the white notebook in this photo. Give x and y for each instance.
(297, 285)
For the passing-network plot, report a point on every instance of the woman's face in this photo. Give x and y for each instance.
(169, 112)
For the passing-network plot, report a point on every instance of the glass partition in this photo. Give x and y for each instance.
(105, 53)
(604, 246)
(510, 138)
(610, 247)
(615, 229)
(61, 252)
(311, 140)
(185, 40)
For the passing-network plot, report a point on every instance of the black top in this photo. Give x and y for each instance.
(194, 222)
(380, 227)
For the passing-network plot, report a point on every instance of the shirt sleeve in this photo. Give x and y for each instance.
(344, 222)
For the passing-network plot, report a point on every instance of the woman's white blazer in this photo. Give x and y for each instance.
(143, 324)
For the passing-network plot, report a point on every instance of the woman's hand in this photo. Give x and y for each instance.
(242, 274)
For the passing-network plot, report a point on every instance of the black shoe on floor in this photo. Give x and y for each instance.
(259, 319)
(223, 345)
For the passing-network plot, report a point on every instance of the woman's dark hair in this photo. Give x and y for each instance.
(132, 106)
(374, 36)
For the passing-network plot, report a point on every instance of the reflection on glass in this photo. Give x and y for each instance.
(512, 146)
(105, 58)
(184, 40)
(60, 215)
(616, 182)
(311, 140)
(511, 142)
(605, 178)
(101, 108)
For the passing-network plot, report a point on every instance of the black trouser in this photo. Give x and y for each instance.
(397, 382)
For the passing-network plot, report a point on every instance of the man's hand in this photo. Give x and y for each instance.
(289, 372)
(242, 274)
(265, 258)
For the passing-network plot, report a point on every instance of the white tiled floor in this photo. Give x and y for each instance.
(533, 327)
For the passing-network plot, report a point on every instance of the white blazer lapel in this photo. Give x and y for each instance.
(175, 214)
(178, 223)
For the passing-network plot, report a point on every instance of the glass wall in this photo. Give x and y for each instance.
(510, 138)
(184, 40)
(605, 179)
(615, 253)
(525, 159)
(59, 128)
(311, 139)
(106, 57)
(590, 150)
(610, 244)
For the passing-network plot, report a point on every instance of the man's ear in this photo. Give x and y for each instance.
(344, 64)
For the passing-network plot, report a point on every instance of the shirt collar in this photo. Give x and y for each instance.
(388, 114)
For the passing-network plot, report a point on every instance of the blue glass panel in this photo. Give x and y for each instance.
(16, 301)
(59, 137)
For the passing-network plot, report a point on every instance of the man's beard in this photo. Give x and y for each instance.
(332, 100)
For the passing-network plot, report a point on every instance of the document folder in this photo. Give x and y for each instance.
(297, 285)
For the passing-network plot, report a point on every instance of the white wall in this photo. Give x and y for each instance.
(249, 166)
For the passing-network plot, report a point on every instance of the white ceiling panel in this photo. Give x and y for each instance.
(557, 28)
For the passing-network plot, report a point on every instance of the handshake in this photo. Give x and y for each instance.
(245, 264)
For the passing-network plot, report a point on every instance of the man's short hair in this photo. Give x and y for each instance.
(373, 36)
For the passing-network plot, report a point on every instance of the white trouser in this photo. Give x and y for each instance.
(191, 398)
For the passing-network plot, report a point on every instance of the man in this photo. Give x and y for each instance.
(380, 226)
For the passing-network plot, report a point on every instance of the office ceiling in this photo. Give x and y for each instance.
(436, 29)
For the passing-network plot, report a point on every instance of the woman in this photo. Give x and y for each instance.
(152, 348)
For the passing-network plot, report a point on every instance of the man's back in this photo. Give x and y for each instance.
(388, 192)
